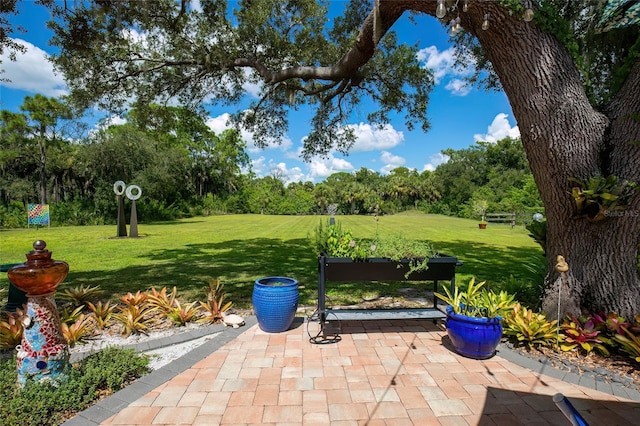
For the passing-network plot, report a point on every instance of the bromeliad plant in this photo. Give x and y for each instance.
(599, 195)
(10, 330)
(135, 318)
(78, 331)
(215, 304)
(629, 343)
(163, 301)
(102, 313)
(478, 302)
(183, 314)
(80, 295)
(583, 334)
(530, 328)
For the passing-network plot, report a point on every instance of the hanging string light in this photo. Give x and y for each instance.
(441, 9)
(485, 23)
(454, 24)
(528, 11)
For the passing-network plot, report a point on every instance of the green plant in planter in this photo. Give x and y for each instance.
(478, 302)
(331, 240)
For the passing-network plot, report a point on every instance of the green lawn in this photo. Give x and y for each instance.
(241, 248)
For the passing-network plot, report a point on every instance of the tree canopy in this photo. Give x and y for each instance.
(573, 82)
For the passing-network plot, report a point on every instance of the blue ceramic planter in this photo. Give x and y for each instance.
(275, 301)
(475, 338)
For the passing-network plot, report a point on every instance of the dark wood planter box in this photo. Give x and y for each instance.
(342, 269)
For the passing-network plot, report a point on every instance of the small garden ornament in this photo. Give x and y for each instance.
(232, 320)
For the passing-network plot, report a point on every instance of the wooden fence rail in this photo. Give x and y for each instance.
(512, 218)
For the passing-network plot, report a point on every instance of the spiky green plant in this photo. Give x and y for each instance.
(10, 331)
(214, 305)
(160, 299)
(182, 315)
(70, 317)
(102, 312)
(530, 328)
(78, 331)
(476, 301)
(134, 318)
(80, 295)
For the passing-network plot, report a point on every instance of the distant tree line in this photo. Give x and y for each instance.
(185, 169)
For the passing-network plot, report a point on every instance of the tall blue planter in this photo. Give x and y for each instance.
(275, 301)
(475, 338)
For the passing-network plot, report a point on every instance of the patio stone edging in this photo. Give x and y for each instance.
(113, 404)
(588, 379)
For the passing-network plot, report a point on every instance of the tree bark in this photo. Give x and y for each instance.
(565, 137)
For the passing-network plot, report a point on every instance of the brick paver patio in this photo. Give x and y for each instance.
(400, 372)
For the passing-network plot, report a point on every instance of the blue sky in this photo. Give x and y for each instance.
(459, 115)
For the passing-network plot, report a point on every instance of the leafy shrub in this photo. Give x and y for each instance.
(525, 291)
(44, 404)
(14, 215)
(530, 328)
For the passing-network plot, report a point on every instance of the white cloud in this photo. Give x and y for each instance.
(258, 166)
(196, 6)
(253, 84)
(288, 176)
(390, 161)
(221, 123)
(435, 160)
(442, 64)
(323, 167)
(32, 72)
(458, 87)
(499, 129)
(261, 167)
(372, 138)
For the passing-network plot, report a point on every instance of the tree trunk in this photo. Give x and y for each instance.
(565, 137)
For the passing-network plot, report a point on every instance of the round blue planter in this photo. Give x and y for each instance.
(275, 301)
(475, 338)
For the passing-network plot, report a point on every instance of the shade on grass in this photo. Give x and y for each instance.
(242, 248)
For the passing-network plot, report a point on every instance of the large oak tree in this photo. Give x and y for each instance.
(574, 91)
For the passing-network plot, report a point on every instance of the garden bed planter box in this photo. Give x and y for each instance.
(343, 269)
